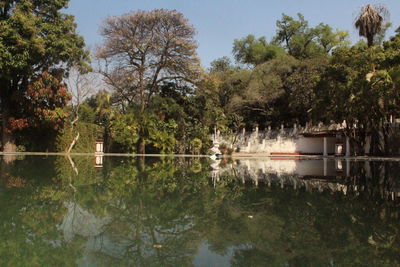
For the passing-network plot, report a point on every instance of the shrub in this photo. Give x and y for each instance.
(88, 133)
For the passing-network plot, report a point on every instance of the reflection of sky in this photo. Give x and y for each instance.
(79, 221)
(103, 244)
(206, 258)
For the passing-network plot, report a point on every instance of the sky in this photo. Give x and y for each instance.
(220, 22)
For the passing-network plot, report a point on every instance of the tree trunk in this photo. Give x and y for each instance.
(141, 163)
(71, 146)
(141, 146)
(8, 140)
(370, 40)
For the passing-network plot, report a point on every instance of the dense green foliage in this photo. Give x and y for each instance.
(159, 100)
(320, 77)
(38, 44)
(88, 133)
(255, 51)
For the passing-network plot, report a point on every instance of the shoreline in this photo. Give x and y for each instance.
(234, 156)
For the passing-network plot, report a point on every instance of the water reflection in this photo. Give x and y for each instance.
(185, 212)
(373, 178)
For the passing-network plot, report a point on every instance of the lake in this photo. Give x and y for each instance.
(183, 211)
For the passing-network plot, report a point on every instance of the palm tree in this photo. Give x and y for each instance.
(370, 21)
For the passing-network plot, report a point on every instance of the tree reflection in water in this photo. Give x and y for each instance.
(176, 212)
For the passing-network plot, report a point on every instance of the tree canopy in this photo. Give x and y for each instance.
(302, 41)
(144, 49)
(250, 50)
(36, 39)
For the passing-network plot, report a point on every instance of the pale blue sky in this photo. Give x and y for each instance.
(219, 22)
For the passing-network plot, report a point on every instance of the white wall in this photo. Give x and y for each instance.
(314, 145)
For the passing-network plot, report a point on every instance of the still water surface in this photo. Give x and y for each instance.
(197, 212)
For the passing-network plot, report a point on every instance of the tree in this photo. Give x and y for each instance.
(329, 39)
(35, 38)
(143, 50)
(221, 64)
(265, 85)
(266, 93)
(250, 50)
(392, 57)
(302, 41)
(38, 113)
(371, 21)
(102, 106)
(301, 86)
(216, 92)
(344, 93)
(81, 86)
(288, 28)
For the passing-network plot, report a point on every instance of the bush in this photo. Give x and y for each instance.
(124, 133)
(87, 114)
(88, 133)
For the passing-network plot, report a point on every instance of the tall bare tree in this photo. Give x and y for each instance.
(144, 49)
(371, 21)
(81, 85)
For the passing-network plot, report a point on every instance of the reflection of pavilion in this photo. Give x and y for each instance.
(313, 175)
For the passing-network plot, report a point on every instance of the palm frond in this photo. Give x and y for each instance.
(370, 21)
